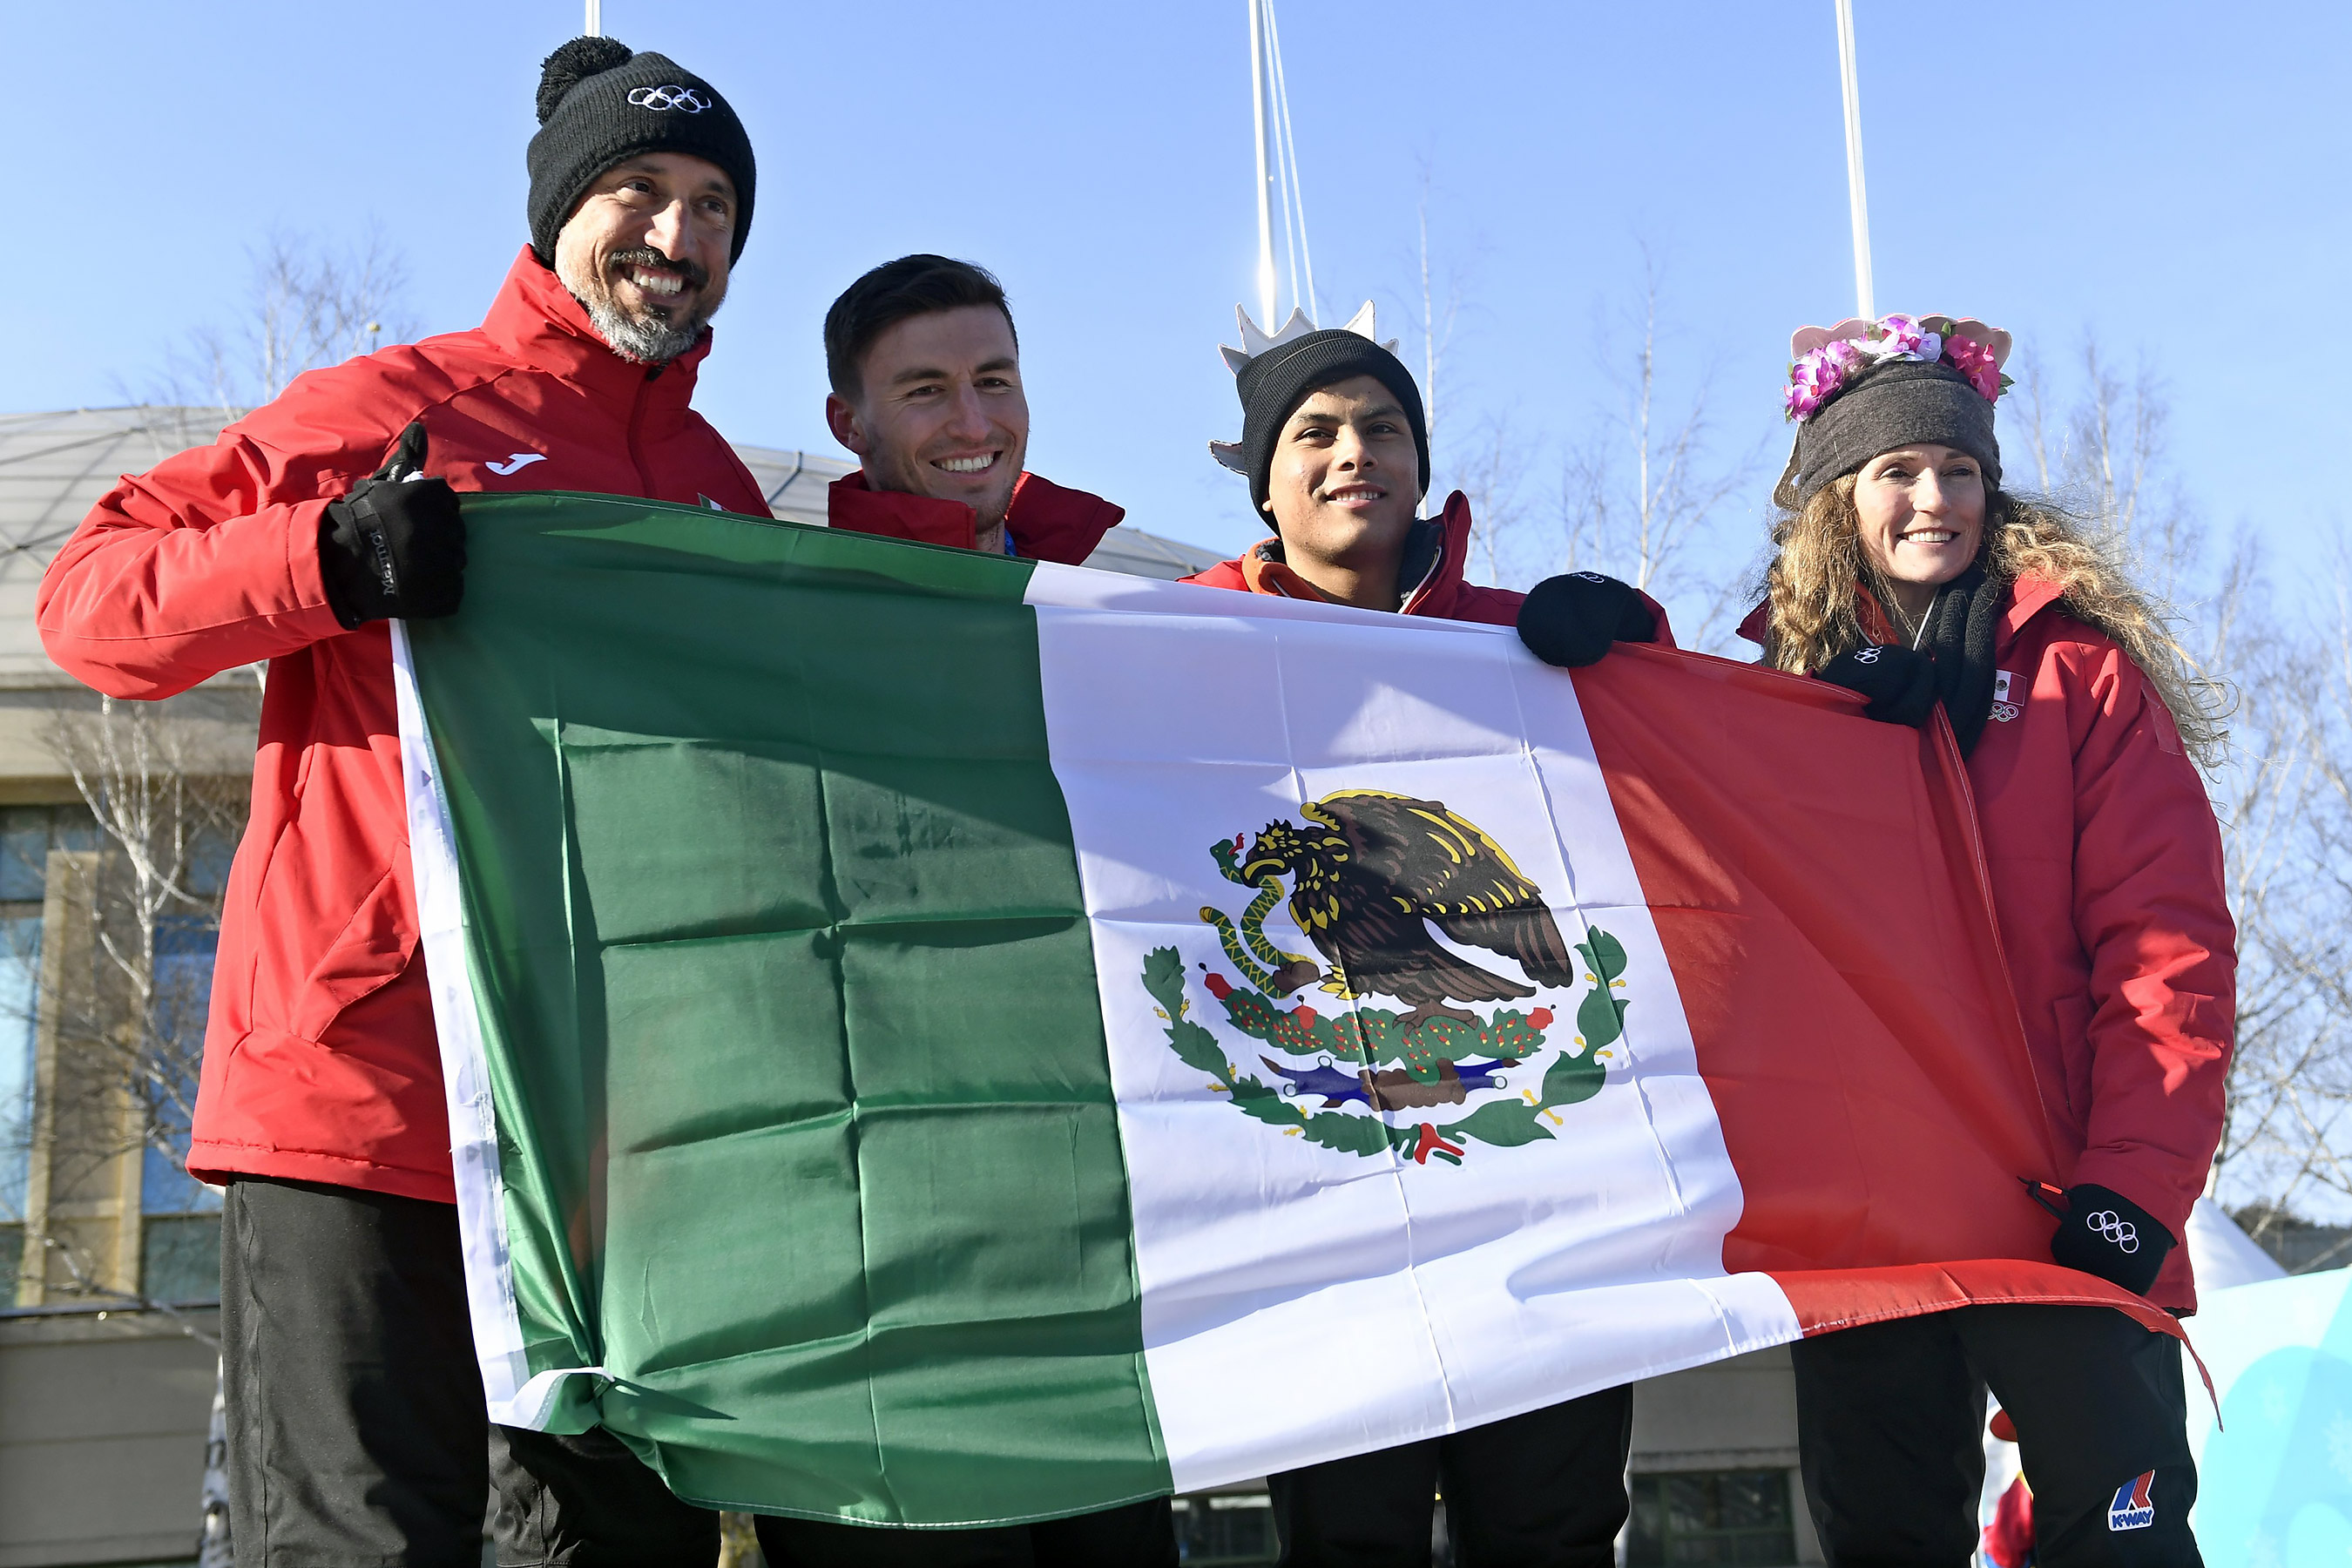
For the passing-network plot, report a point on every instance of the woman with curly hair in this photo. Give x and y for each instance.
(1904, 572)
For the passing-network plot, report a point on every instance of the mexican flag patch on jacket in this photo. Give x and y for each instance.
(938, 1039)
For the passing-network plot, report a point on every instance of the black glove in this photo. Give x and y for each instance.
(1571, 621)
(395, 546)
(1899, 681)
(2106, 1234)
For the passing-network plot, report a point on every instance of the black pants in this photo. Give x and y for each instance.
(358, 1437)
(1890, 1423)
(1140, 1535)
(1546, 1490)
(357, 1433)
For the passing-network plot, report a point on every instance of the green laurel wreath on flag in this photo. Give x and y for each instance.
(1367, 1040)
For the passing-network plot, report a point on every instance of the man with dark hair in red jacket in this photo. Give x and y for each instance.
(356, 1425)
(925, 372)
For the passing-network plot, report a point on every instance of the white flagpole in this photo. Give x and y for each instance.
(1856, 200)
(595, 19)
(1266, 280)
(1294, 199)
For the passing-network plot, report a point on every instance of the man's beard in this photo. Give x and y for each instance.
(661, 335)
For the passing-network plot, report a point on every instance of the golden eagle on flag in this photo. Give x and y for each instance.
(1374, 866)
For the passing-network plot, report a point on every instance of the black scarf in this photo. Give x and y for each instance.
(1958, 636)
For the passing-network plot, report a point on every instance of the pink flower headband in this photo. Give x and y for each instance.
(1824, 359)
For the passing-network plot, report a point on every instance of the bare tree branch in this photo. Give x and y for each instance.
(308, 304)
(161, 809)
(1641, 498)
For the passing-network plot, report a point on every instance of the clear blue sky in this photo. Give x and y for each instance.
(2168, 176)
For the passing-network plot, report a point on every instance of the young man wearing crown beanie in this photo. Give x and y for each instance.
(1335, 449)
(356, 1427)
(926, 372)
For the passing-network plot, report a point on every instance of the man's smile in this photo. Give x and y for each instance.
(660, 282)
(976, 463)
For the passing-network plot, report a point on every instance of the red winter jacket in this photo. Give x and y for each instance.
(2105, 866)
(1046, 521)
(320, 1061)
(1434, 561)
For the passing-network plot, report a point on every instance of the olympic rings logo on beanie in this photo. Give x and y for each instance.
(671, 96)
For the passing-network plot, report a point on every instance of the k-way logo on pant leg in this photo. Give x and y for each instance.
(2132, 1508)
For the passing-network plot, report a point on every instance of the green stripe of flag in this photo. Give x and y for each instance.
(774, 924)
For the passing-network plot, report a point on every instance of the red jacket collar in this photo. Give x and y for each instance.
(1434, 561)
(2028, 597)
(1441, 586)
(1047, 521)
(535, 320)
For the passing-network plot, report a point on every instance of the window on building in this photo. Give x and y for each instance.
(20, 972)
(28, 833)
(180, 1228)
(1738, 1517)
(180, 1239)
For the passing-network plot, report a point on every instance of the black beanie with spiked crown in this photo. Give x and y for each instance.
(599, 103)
(1273, 385)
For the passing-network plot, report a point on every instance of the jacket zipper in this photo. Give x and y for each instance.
(1426, 579)
(637, 419)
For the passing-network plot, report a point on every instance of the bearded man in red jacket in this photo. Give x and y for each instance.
(926, 372)
(356, 1425)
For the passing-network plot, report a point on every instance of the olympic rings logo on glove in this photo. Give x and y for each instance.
(1867, 655)
(1590, 576)
(671, 96)
(2114, 1230)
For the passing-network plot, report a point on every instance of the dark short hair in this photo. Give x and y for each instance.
(891, 293)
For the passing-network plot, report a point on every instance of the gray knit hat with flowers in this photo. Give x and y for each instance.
(1861, 388)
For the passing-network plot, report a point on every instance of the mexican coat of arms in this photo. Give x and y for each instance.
(1367, 876)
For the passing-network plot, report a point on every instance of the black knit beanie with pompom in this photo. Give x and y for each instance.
(599, 103)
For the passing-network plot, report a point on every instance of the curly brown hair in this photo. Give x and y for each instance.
(1814, 586)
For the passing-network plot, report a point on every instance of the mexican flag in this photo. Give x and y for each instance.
(936, 1039)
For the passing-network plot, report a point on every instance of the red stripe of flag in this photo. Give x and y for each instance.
(1817, 886)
